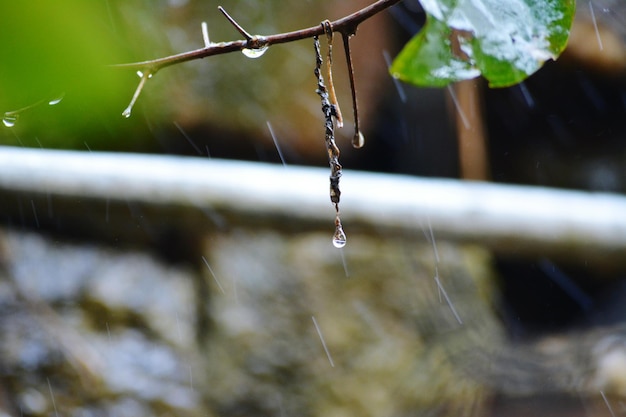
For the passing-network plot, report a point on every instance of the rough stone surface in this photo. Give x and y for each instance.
(270, 323)
(377, 308)
(101, 331)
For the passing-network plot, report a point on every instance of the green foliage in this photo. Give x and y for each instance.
(54, 49)
(503, 40)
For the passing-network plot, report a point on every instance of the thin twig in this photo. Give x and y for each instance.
(144, 77)
(330, 111)
(346, 25)
(357, 140)
(329, 72)
(235, 24)
(205, 35)
(329, 136)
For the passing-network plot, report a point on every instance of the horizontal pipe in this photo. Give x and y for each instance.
(509, 218)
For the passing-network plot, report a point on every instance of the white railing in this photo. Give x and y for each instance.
(509, 218)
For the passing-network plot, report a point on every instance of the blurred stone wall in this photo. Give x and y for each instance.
(270, 323)
(101, 331)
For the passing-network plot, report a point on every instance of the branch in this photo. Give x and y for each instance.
(347, 26)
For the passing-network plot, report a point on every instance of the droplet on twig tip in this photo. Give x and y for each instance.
(339, 238)
(9, 120)
(56, 100)
(358, 141)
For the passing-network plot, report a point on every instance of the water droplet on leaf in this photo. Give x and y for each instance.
(254, 53)
(339, 238)
(9, 120)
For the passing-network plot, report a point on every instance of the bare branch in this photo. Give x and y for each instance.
(346, 26)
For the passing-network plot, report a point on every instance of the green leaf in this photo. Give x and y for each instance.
(503, 40)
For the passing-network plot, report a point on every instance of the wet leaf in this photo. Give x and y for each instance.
(503, 40)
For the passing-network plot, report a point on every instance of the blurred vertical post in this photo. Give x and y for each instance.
(471, 132)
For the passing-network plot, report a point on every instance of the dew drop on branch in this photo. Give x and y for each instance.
(255, 52)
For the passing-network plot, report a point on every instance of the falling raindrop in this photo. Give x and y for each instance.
(396, 82)
(54, 404)
(527, 96)
(213, 275)
(9, 120)
(319, 333)
(56, 100)
(32, 204)
(254, 52)
(595, 26)
(280, 152)
(186, 136)
(608, 404)
(445, 295)
(458, 107)
(339, 238)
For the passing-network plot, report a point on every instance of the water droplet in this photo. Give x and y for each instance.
(56, 100)
(9, 120)
(358, 141)
(254, 53)
(339, 238)
(140, 74)
(127, 111)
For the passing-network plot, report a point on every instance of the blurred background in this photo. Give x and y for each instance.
(112, 308)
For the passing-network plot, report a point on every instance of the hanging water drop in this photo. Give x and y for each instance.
(9, 120)
(254, 52)
(358, 141)
(339, 238)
